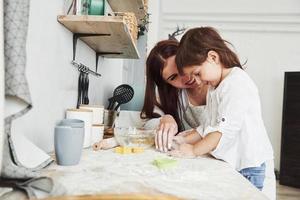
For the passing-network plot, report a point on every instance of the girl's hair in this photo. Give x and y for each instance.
(168, 95)
(197, 42)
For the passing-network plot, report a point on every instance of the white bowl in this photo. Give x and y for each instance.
(132, 137)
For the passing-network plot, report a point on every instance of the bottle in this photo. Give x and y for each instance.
(85, 5)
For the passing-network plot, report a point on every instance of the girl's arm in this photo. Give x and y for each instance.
(186, 137)
(202, 146)
(189, 137)
(207, 144)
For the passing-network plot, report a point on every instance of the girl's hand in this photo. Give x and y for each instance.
(184, 151)
(165, 133)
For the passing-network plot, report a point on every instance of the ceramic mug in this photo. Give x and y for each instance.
(86, 116)
(68, 141)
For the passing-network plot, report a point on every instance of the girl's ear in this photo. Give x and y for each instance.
(213, 56)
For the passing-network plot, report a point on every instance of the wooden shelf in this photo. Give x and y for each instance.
(135, 6)
(119, 41)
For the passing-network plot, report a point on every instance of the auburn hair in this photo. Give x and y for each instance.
(168, 96)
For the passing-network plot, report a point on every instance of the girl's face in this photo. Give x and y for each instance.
(171, 75)
(209, 72)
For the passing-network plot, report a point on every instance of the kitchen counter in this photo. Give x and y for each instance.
(106, 172)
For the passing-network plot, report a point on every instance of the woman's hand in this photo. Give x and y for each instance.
(184, 151)
(165, 133)
(177, 141)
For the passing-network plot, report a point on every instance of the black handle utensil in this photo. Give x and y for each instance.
(86, 89)
(122, 94)
(124, 98)
(80, 86)
(111, 101)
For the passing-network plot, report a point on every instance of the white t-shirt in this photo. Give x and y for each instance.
(233, 108)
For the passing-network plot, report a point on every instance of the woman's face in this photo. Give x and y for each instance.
(171, 75)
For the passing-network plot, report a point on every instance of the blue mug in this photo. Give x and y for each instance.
(68, 141)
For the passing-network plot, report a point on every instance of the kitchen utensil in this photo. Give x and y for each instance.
(109, 118)
(112, 99)
(80, 88)
(125, 98)
(122, 94)
(125, 95)
(85, 99)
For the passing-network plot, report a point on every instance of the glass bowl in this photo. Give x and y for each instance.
(132, 137)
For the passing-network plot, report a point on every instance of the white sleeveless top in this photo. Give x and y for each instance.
(193, 116)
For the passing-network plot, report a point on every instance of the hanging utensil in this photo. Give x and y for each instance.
(86, 89)
(80, 87)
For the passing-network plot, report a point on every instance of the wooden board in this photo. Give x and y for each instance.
(135, 6)
(119, 41)
(117, 197)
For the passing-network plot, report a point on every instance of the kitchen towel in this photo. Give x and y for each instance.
(86, 116)
(41, 187)
(16, 14)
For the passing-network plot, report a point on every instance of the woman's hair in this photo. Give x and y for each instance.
(197, 42)
(168, 95)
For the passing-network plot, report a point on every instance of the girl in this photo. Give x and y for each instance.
(169, 97)
(234, 130)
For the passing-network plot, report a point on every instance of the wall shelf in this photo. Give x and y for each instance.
(136, 6)
(109, 36)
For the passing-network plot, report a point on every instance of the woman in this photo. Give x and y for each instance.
(172, 102)
(177, 101)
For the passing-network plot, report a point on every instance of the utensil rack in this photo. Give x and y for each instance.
(83, 68)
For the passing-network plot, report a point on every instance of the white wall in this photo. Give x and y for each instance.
(52, 79)
(266, 33)
(1, 82)
(134, 75)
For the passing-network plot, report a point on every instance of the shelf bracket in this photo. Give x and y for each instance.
(76, 36)
(105, 53)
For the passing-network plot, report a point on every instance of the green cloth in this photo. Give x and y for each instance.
(164, 163)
